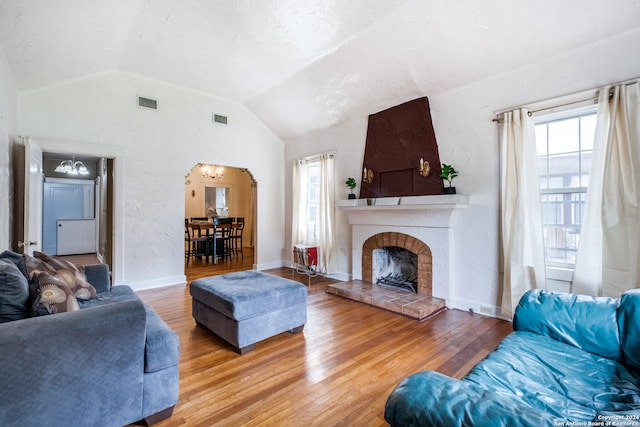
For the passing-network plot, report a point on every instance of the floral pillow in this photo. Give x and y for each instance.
(52, 295)
(75, 278)
(35, 266)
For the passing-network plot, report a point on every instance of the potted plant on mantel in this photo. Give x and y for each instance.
(351, 184)
(447, 174)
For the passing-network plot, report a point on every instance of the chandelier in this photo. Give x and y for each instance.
(215, 173)
(72, 167)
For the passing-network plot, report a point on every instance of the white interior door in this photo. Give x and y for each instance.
(33, 187)
(64, 199)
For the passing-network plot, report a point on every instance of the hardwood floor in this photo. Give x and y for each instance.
(337, 372)
(197, 269)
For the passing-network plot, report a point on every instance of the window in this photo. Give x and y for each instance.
(564, 145)
(313, 200)
(312, 220)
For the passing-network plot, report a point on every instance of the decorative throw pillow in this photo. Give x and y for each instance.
(54, 296)
(75, 277)
(14, 292)
(35, 265)
(18, 259)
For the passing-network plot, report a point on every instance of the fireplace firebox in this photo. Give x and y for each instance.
(401, 244)
(395, 267)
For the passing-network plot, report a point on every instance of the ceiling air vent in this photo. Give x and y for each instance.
(220, 119)
(147, 103)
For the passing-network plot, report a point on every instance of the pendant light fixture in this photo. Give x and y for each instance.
(215, 173)
(72, 167)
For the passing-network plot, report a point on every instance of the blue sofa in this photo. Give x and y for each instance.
(571, 360)
(111, 363)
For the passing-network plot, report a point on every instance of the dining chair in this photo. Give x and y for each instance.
(219, 240)
(195, 245)
(236, 235)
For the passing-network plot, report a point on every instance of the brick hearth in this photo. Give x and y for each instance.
(416, 306)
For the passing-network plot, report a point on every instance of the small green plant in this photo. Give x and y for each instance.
(448, 173)
(351, 183)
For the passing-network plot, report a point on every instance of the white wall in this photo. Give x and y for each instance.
(468, 139)
(8, 132)
(160, 149)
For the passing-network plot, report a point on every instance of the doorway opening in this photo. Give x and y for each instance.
(76, 214)
(214, 193)
(30, 163)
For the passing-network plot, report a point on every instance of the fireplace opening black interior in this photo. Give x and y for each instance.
(395, 266)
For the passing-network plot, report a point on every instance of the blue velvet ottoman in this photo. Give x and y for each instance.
(245, 307)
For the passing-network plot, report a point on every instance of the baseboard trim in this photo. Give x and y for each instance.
(158, 283)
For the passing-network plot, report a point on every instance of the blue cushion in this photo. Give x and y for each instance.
(99, 276)
(432, 399)
(116, 294)
(162, 346)
(629, 323)
(585, 322)
(18, 259)
(14, 292)
(245, 294)
(557, 378)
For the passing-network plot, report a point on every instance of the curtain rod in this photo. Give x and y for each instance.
(531, 112)
(589, 96)
(331, 154)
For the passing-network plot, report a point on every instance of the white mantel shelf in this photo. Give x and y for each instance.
(442, 201)
(413, 211)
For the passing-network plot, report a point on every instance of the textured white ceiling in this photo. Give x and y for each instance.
(301, 65)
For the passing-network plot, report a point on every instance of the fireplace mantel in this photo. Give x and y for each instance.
(430, 219)
(413, 211)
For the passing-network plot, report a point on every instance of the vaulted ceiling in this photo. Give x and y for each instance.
(301, 65)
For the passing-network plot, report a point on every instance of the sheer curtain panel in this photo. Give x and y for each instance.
(609, 252)
(522, 238)
(299, 202)
(326, 214)
(324, 221)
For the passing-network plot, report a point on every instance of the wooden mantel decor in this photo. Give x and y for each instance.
(397, 139)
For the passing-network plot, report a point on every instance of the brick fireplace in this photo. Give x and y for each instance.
(404, 241)
(423, 225)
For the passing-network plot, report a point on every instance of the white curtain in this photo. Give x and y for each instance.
(299, 202)
(609, 252)
(325, 226)
(522, 237)
(326, 215)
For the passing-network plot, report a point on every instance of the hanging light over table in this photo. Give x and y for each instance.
(215, 173)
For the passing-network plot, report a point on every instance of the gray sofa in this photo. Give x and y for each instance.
(111, 363)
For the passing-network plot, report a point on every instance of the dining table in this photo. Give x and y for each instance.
(216, 233)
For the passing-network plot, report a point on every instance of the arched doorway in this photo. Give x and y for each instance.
(225, 192)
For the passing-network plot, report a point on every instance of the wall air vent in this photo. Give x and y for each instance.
(147, 103)
(220, 119)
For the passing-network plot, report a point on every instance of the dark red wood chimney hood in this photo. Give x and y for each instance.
(400, 140)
